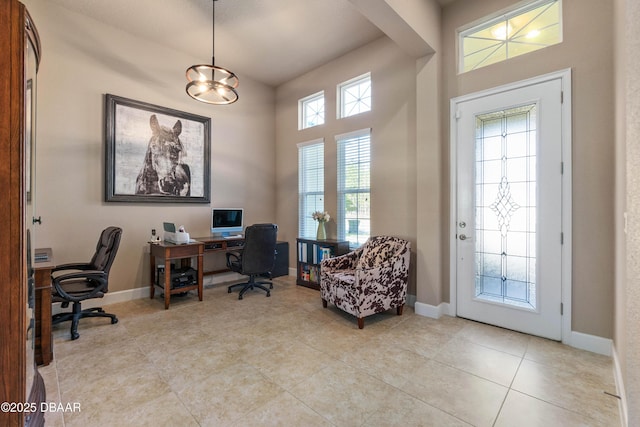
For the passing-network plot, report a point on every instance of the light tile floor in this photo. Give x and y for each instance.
(286, 361)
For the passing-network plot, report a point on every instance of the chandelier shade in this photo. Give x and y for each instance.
(211, 84)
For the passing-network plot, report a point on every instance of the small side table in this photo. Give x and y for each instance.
(170, 252)
(43, 331)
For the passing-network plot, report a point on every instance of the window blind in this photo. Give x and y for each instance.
(310, 185)
(354, 187)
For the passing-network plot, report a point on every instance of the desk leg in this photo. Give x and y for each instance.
(43, 340)
(167, 282)
(152, 275)
(44, 301)
(200, 281)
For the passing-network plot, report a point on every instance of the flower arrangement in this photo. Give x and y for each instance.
(320, 216)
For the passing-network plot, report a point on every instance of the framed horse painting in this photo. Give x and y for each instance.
(155, 154)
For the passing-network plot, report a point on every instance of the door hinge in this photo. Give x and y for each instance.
(561, 309)
(561, 168)
(561, 238)
(561, 97)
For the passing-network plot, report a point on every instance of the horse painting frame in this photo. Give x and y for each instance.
(155, 154)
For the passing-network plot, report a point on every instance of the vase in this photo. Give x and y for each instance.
(322, 233)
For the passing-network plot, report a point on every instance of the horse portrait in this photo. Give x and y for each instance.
(163, 172)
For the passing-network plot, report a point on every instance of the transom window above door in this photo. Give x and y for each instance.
(528, 28)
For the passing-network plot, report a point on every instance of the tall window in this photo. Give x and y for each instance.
(354, 187)
(310, 185)
(311, 111)
(354, 96)
(523, 30)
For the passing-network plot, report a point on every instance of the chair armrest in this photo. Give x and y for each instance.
(347, 261)
(72, 266)
(89, 274)
(95, 275)
(237, 256)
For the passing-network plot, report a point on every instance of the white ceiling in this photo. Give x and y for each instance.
(271, 41)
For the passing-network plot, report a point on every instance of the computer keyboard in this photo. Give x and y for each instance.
(236, 236)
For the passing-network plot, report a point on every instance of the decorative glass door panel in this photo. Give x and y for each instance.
(505, 199)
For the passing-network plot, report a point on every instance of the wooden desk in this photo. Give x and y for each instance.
(214, 244)
(170, 252)
(218, 244)
(43, 331)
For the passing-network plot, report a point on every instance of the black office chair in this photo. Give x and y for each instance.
(256, 259)
(74, 283)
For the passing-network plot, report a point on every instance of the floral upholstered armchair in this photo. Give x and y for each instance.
(369, 280)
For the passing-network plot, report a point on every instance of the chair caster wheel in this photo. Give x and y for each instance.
(75, 336)
(268, 294)
(228, 290)
(271, 286)
(239, 296)
(114, 321)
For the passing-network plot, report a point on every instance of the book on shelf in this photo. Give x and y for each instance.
(320, 253)
(302, 251)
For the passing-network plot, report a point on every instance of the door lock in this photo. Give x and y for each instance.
(462, 224)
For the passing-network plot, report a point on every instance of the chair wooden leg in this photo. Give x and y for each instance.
(399, 310)
(360, 322)
(324, 303)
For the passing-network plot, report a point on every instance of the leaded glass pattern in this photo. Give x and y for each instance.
(505, 205)
(534, 26)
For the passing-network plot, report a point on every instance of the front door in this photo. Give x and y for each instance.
(509, 172)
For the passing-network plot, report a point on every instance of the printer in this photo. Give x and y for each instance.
(174, 236)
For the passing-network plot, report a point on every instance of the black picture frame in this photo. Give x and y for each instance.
(155, 154)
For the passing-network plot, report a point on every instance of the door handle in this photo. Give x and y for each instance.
(462, 237)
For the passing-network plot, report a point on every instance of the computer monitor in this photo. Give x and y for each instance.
(227, 221)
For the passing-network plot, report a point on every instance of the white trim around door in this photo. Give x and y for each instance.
(566, 253)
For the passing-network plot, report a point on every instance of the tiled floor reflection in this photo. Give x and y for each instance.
(286, 361)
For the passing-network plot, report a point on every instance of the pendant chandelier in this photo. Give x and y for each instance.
(209, 83)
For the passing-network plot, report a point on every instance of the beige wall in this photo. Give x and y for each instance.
(619, 338)
(393, 140)
(627, 338)
(84, 59)
(587, 50)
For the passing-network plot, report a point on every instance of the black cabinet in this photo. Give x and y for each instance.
(281, 267)
(310, 253)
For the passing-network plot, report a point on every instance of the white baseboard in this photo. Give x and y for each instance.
(617, 374)
(292, 271)
(435, 312)
(579, 340)
(591, 343)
